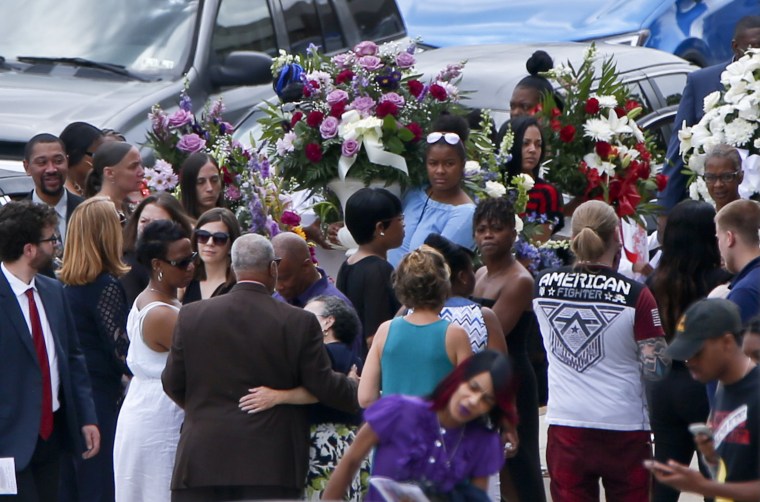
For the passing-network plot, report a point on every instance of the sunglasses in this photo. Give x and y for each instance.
(184, 263)
(449, 137)
(219, 238)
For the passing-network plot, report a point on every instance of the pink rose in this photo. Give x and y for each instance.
(329, 127)
(366, 48)
(180, 118)
(191, 143)
(370, 63)
(337, 96)
(392, 97)
(405, 60)
(342, 60)
(363, 105)
(350, 148)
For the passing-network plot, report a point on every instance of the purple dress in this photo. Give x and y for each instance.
(413, 447)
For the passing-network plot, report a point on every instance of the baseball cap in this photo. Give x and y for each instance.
(703, 320)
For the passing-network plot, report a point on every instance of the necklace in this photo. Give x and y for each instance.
(441, 443)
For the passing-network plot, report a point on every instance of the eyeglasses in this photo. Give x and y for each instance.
(711, 179)
(183, 263)
(219, 238)
(55, 239)
(277, 261)
(450, 137)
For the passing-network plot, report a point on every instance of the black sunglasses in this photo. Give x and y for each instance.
(219, 238)
(183, 263)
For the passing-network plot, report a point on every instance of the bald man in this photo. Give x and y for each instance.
(299, 279)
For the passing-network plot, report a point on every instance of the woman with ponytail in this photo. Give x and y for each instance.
(117, 171)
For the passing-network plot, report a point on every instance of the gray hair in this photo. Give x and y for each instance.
(723, 151)
(251, 252)
(346, 325)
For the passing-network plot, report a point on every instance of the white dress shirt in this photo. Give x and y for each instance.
(60, 210)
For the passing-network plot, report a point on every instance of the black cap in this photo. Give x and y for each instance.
(705, 319)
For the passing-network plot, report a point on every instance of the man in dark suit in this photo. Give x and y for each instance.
(222, 348)
(45, 395)
(691, 108)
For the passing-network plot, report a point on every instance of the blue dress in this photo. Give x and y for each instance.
(424, 216)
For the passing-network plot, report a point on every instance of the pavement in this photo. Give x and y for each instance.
(542, 430)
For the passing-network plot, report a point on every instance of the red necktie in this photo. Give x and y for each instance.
(46, 424)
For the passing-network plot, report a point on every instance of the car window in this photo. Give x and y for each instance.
(670, 86)
(639, 95)
(376, 19)
(302, 22)
(242, 25)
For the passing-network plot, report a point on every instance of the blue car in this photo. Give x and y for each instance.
(699, 31)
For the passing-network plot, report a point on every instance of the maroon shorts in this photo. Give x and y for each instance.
(578, 458)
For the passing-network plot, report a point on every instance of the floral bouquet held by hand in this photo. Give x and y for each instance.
(361, 113)
(597, 149)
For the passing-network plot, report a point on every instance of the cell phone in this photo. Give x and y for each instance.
(658, 467)
(700, 428)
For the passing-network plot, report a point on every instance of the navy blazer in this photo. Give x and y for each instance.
(691, 109)
(21, 379)
(72, 202)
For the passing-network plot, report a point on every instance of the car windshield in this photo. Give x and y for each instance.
(151, 38)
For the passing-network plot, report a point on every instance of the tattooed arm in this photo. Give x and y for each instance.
(654, 362)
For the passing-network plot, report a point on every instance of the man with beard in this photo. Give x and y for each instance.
(46, 162)
(45, 395)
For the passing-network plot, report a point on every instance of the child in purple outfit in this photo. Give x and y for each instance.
(443, 444)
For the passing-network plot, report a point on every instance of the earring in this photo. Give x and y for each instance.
(382, 234)
(160, 275)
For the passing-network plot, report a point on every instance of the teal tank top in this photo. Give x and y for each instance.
(414, 358)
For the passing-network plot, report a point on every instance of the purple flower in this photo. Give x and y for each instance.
(272, 227)
(394, 98)
(363, 105)
(405, 60)
(217, 108)
(312, 49)
(258, 219)
(370, 63)
(179, 118)
(366, 48)
(336, 96)
(350, 148)
(231, 192)
(329, 127)
(451, 72)
(191, 143)
(185, 103)
(264, 168)
(342, 60)
(159, 121)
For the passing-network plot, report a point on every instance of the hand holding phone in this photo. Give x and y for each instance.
(658, 467)
(700, 428)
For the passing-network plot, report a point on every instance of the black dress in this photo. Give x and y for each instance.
(193, 291)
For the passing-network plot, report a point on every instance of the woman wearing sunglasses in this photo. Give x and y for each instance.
(214, 234)
(442, 207)
(147, 431)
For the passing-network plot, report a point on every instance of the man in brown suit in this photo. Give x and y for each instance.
(224, 346)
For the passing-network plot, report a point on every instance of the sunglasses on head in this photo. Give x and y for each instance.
(219, 238)
(184, 263)
(449, 137)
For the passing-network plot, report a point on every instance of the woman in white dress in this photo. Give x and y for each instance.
(147, 431)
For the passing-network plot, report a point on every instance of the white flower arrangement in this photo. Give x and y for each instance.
(161, 177)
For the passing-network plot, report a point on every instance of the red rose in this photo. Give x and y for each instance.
(313, 119)
(416, 130)
(592, 106)
(295, 118)
(661, 181)
(415, 87)
(313, 152)
(567, 133)
(386, 108)
(631, 104)
(556, 112)
(344, 76)
(645, 153)
(555, 125)
(338, 109)
(438, 92)
(644, 170)
(290, 218)
(620, 112)
(603, 149)
(226, 176)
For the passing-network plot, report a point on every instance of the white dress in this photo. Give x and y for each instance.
(147, 431)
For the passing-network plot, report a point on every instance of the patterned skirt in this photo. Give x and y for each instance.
(328, 444)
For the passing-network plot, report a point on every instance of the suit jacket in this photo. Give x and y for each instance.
(226, 345)
(20, 376)
(691, 109)
(72, 202)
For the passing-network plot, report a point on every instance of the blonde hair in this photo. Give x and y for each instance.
(594, 227)
(741, 217)
(93, 243)
(421, 280)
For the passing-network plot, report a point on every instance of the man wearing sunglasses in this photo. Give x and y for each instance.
(45, 394)
(222, 348)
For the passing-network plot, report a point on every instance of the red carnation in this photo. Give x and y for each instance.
(295, 118)
(386, 108)
(438, 92)
(567, 133)
(592, 106)
(344, 76)
(661, 181)
(620, 112)
(416, 130)
(603, 149)
(555, 125)
(415, 87)
(556, 112)
(313, 119)
(313, 152)
(338, 109)
(310, 87)
(631, 104)
(290, 218)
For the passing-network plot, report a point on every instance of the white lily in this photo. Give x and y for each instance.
(595, 162)
(711, 101)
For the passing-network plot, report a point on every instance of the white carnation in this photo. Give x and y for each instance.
(597, 129)
(606, 101)
(738, 132)
(495, 189)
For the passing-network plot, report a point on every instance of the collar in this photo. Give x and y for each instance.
(18, 286)
(749, 267)
(60, 207)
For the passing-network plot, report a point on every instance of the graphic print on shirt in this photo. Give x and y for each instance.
(577, 329)
(733, 426)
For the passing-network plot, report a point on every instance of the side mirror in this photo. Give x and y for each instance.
(242, 68)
